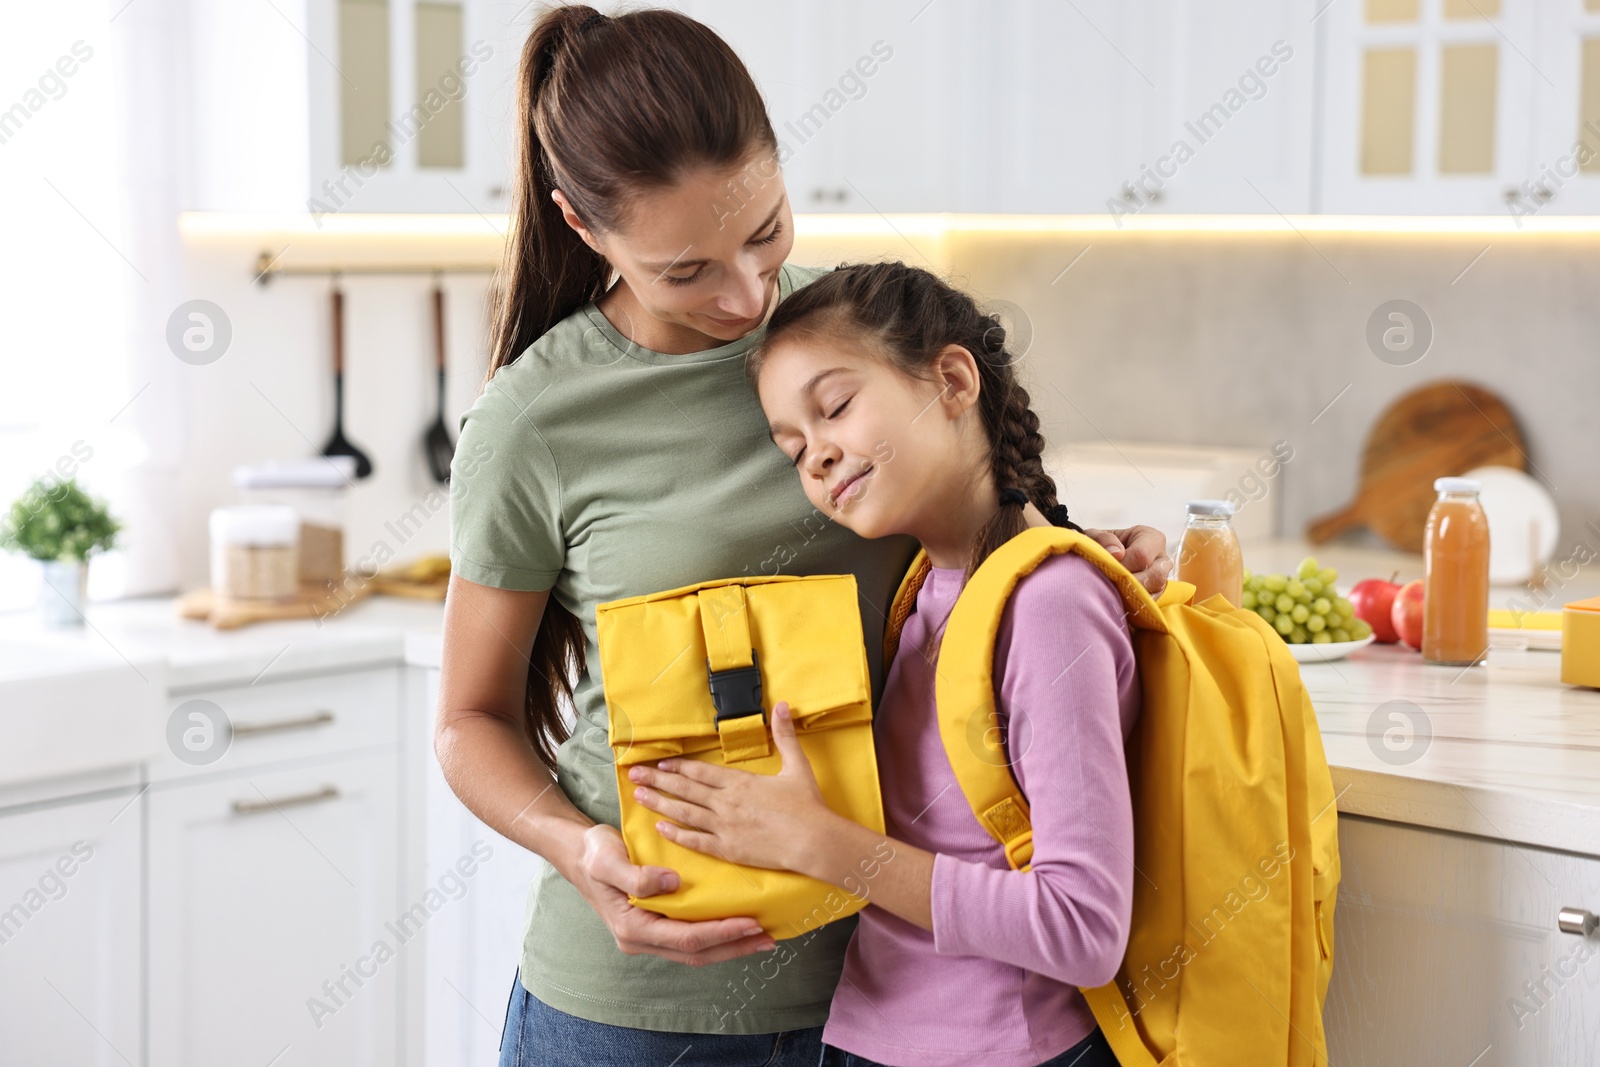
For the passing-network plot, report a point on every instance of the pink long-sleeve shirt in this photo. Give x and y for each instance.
(996, 981)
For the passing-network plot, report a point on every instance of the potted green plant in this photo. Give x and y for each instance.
(59, 525)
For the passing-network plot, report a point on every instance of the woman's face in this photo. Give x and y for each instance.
(874, 448)
(704, 254)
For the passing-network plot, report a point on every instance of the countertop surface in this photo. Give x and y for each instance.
(1503, 750)
(133, 632)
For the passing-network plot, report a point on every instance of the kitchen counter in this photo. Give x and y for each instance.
(133, 632)
(1502, 751)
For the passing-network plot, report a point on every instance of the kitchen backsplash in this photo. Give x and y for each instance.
(1234, 339)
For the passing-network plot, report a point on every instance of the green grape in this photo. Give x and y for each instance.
(1340, 633)
(1299, 613)
(1322, 605)
(1284, 625)
(1321, 638)
(1316, 624)
(1268, 612)
(1285, 603)
(1308, 567)
(1313, 586)
(1360, 629)
(1345, 609)
(1327, 576)
(1298, 636)
(1295, 588)
(1247, 575)
(1248, 600)
(1275, 582)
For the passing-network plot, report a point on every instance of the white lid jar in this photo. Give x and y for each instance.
(255, 552)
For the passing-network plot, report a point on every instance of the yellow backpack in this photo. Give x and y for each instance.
(1235, 831)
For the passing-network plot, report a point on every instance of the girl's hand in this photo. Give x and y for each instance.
(760, 820)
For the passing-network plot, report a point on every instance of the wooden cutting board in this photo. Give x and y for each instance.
(315, 601)
(1440, 430)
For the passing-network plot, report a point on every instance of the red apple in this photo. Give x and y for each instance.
(1373, 600)
(1406, 615)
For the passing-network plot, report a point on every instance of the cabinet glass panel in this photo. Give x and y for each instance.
(1472, 9)
(440, 87)
(364, 78)
(1468, 79)
(1589, 99)
(1388, 110)
(1391, 10)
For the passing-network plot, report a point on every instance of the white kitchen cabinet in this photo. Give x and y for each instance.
(1447, 950)
(268, 121)
(1429, 105)
(1564, 178)
(276, 922)
(473, 946)
(70, 904)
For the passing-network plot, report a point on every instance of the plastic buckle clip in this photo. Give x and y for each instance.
(736, 692)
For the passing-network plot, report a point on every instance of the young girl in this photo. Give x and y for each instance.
(898, 403)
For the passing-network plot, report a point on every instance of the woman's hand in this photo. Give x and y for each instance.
(759, 820)
(1141, 549)
(606, 877)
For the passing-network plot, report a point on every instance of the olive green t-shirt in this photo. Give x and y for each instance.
(600, 470)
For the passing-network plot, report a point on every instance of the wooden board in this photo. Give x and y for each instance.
(1440, 430)
(315, 601)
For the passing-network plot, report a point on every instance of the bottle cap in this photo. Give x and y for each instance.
(1214, 508)
(1457, 485)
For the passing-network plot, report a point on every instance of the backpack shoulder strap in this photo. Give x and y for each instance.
(964, 685)
(903, 604)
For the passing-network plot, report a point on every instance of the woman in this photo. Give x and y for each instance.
(618, 449)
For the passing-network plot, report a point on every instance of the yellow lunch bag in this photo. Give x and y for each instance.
(1235, 830)
(695, 672)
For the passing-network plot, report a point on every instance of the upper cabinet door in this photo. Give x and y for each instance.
(1430, 104)
(1564, 176)
(1076, 101)
(873, 104)
(1243, 79)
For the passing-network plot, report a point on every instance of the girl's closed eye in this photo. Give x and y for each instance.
(832, 415)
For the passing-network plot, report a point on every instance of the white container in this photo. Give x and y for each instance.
(315, 488)
(255, 552)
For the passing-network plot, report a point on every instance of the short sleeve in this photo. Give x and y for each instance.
(506, 527)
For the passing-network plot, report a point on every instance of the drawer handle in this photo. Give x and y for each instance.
(305, 722)
(1577, 921)
(255, 807)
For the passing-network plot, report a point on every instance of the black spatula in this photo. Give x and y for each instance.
(436, 442)
(337, 445)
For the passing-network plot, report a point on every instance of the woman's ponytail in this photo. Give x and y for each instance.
(548, 271)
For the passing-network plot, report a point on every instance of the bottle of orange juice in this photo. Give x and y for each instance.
(1208, 556)
(1455, 604)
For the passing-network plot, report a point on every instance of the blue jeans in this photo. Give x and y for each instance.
(537, 1035)
(1092, 1051)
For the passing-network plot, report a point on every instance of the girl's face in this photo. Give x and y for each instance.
(876, 450)
(702, 255)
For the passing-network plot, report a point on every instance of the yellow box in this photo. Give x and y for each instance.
(1580, 643)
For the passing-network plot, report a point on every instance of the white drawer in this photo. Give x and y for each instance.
(273, 722)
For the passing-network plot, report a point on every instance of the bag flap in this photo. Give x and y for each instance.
(807, 636)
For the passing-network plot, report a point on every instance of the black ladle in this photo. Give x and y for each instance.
(337, 445)
(436, 442)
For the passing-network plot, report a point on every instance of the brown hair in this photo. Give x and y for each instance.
(909, 316)
(608, 108)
